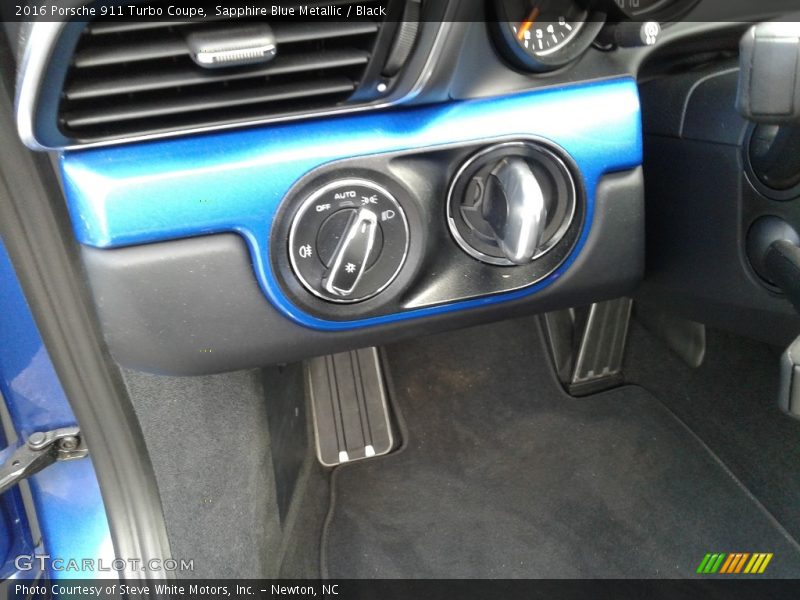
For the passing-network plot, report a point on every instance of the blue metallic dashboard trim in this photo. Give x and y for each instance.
(236, 181)
(67, 499)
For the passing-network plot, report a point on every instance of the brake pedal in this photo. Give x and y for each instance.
(350, 407)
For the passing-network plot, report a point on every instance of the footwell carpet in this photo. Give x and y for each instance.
(503, 475)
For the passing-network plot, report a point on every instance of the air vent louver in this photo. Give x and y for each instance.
(133, 78)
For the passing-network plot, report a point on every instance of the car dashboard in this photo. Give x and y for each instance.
(249, 190)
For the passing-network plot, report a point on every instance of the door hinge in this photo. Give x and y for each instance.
(41, 450)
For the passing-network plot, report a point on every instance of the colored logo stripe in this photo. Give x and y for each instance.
(758, 563)
(734, 563)
(711, 563)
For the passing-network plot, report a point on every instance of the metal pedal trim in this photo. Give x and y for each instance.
(587, 345)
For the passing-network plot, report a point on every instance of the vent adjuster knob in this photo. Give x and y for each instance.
(227, 47)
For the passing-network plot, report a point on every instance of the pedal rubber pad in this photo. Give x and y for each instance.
(350, 406)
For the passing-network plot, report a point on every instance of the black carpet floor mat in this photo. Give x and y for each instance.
(731, 403)
(503, 475)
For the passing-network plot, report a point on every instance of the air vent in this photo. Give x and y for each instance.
(134, 78)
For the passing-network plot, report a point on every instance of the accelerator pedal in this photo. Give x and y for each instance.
(350, 407)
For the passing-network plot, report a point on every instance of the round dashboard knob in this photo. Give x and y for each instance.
(348, 241)
(511, 203)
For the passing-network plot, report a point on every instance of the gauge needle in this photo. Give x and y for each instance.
(527, 23)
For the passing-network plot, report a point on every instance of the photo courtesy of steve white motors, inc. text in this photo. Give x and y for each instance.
(191, 590)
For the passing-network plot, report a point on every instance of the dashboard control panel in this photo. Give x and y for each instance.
(345, 221)
(386, 234)
(507, 207)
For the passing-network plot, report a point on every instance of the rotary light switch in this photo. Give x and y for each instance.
(348, 241)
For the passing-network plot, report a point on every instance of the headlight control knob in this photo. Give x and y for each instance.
(348, 241)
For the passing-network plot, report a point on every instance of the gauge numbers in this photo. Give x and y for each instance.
(542, 27)
(545, 38)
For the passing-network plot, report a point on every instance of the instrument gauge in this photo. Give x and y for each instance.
(543, 35)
